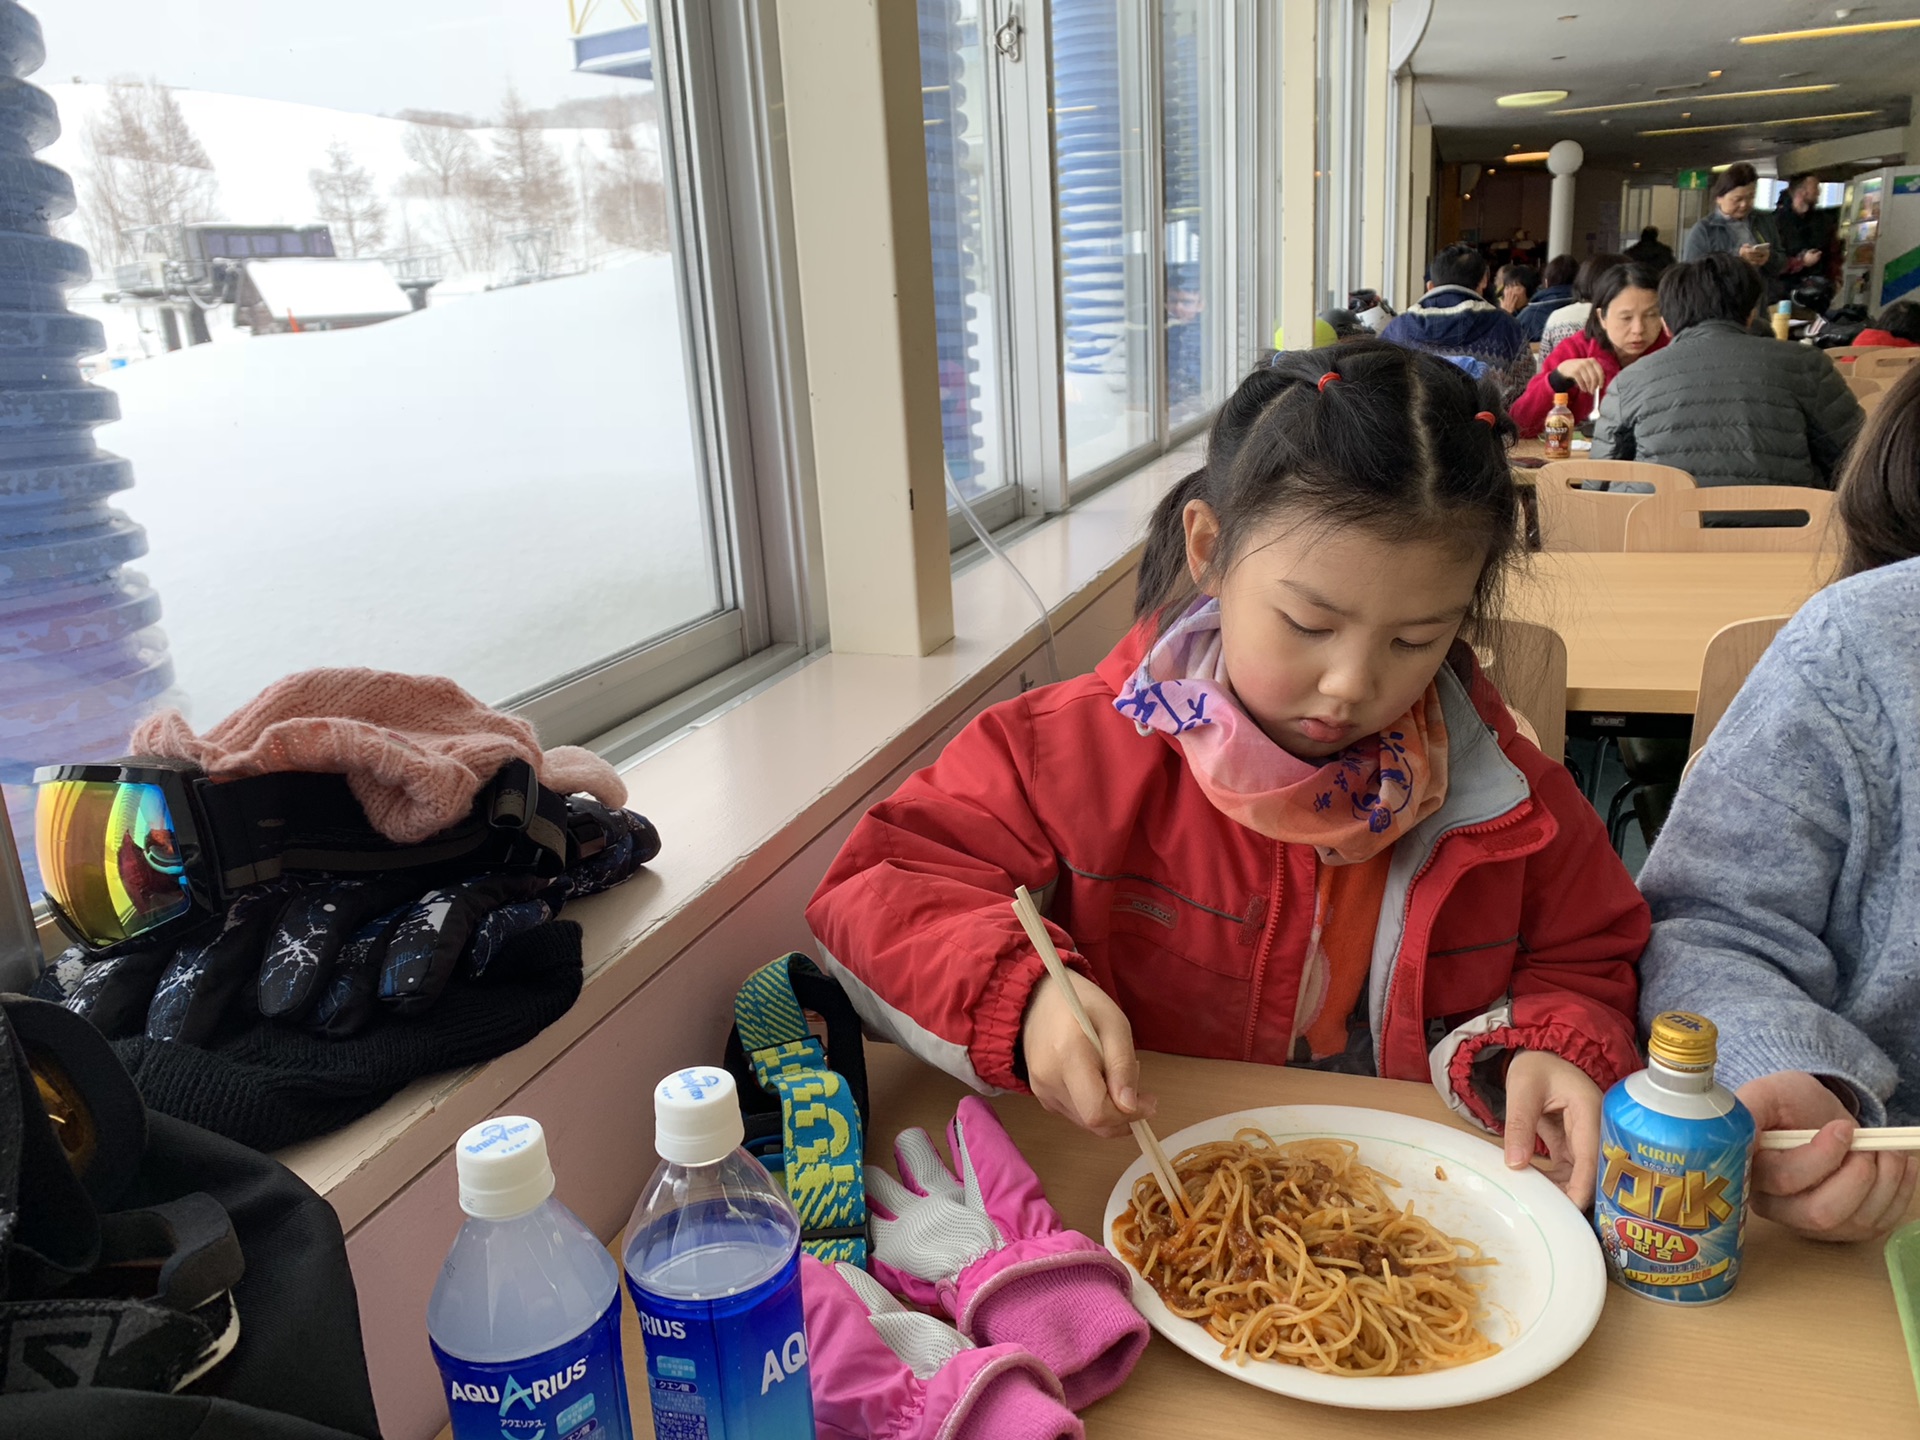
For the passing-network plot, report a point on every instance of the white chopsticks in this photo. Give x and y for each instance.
(1878, 1137)
(1030, 921)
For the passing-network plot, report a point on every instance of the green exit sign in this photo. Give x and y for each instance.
(1694, 180)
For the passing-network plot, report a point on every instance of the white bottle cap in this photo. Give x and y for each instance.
(696, 1116)
(503, 1169)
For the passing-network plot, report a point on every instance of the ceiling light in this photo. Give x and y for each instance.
(1828, 32)
(1699, 99)
(1715, 74)
(1686, 114)
(1525, 99)
(1794, 74)
(1792, 120)
(1527, 157)
(1489, 169)
(1636, 164)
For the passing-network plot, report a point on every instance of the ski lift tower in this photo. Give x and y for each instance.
(625, 51)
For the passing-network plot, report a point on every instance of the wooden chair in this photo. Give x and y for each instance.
(1731, 655)
(1672, 522)
(1844, 355)
(1577, 519)
(1885, 362)
(1862, 388)
(1871, 400)
(1528, 664)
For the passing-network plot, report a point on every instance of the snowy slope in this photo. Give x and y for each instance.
(500, 490)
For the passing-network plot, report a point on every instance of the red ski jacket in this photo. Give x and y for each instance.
(1508, 923)
(1530, 407)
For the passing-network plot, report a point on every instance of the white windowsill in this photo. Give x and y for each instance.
(736, 797)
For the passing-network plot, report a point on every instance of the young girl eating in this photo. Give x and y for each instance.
(1287, 820)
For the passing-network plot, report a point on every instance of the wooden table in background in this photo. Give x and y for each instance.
(1637, 625)
(1808, 1345)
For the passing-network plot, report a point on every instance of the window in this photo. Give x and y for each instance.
(1199, 290)
(1342, 105)
(1100, 121)
(425, 351)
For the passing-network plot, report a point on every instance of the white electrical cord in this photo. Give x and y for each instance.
(980, 533)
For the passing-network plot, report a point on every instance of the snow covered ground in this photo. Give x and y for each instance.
(501, 490)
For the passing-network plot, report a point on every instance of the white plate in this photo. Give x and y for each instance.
(1543, 1298)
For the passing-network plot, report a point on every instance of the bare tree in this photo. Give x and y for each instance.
(534, 190)
(445, 157)
(629, 196)
(144, 167)
(348, 202)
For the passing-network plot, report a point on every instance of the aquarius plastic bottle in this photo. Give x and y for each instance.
(1675, 1155)
(713, 1265)
(1783, 320)
(525, 1318)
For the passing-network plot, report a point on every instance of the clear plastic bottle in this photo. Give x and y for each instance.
(1783, 320)
(525, 1318)
(713, 1265)
(1558, 429)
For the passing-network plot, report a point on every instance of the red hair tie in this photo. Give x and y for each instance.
(1327, 379)
(1485, 417)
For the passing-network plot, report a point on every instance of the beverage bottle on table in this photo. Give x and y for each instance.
(713, 1264)
(525, 1318)
(1558, 431)
(1675, 1156)
(1783, 320)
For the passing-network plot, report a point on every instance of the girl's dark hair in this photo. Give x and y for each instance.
(1587, 278)
(1630, 276)
(1879, 492)
(1392, 444)
(1900, 320)
(1732, 178)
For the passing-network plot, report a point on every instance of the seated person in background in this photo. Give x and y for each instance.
(1650, 250)
(1555, 292)
(1727, 406)
(1454, 319)
(1898, 325)
(1625, 325)
(1782, 886)
(1571, 318)
(1513, 287)
(1250, 817)
(1732, 226)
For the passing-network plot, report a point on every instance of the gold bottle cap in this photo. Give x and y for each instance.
(1683, 1041)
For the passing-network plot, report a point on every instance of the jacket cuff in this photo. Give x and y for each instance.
(996, 1023)
(1462, 1072)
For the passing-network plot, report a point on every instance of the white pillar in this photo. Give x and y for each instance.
(1563, 160)
(1299, 100)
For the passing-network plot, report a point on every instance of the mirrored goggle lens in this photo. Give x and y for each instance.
(109, 856)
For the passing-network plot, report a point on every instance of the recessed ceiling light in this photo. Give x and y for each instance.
(1795, 74)
(1527, 157)
(1698, 99)
(1636, 164)
(1607, 121)
(1715, 74)
(1525, 99)
(1829, 32)
(1686, 114)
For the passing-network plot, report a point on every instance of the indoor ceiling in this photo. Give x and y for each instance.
(1610, 52)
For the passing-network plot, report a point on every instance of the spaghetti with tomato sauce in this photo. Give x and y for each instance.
(1294, 1253)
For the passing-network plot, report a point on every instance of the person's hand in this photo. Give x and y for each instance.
(1584, 373)
(1553, 1100)
(1095, 1088)
(1811, 257)
(1755, 254)
(1822, 1189)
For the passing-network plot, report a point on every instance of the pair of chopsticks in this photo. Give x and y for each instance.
(1030, 921)
(1881, 1137)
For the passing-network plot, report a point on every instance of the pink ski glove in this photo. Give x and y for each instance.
(882, 1372)
(990, 1251)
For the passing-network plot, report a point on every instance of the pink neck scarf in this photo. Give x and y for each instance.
(1350, 806)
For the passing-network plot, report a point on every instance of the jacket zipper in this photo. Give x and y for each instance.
(1266, 948)
(1499, 822)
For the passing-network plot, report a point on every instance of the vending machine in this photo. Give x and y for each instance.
(1880, 237)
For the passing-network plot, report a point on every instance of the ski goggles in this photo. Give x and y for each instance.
(131, 848)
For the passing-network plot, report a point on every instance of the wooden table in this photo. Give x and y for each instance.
(1808, 1345)
(1637, 625)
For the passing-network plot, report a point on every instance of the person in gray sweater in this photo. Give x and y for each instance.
(1782, 888)
(1726, 406)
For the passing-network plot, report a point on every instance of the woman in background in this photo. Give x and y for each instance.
(1733, 227)
(1624, 325)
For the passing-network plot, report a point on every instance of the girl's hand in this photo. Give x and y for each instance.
(1584, 373)
(1094, 1088)
(1553, 1099)
(1822, 1189)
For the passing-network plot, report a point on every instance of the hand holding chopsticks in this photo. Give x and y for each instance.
(1030, 921)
